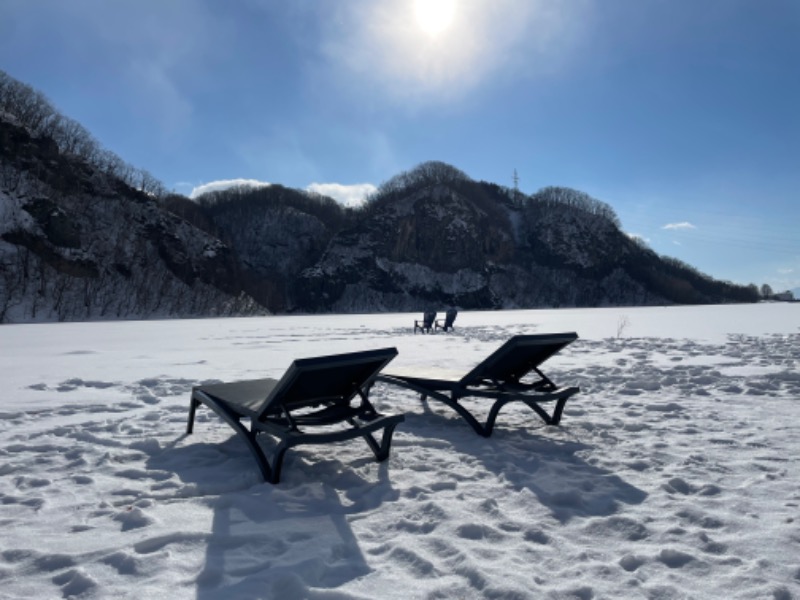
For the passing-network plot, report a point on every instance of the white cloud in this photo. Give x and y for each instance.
(347, 195)
(639, 237)
(683, 225)
(224, 184)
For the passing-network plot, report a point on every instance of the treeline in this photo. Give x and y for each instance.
(433, 173)
(562, 196)
(684, 284)
(428, 176)
(424, 175)
(239, 204)
(24, 106)
(244, 198)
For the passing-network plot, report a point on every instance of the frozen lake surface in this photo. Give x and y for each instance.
(674, 473)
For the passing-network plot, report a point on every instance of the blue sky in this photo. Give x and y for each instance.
(683, 115)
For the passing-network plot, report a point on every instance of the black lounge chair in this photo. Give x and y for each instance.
(314, 392)
(426, 324)
(500, 378)
(446, 323)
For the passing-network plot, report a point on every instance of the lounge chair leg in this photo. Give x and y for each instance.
(277, 462)
(372, 443)
(386, 442)
(492, 418)
(381, 451)
(465, 414)
(248, 436)
(553, 419)
(548, 420)
(556, 418)
(469, 417)
(263, 465)
(192, 408)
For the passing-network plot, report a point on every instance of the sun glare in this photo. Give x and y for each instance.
(434, 16)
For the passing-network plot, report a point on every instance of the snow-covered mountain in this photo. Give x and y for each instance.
(83, 235)
(77, 243)
(434, 238)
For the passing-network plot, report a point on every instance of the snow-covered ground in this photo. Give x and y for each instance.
(674, 473)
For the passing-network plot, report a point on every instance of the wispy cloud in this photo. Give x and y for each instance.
(183, 187)
(347, 195)
(224, 184)
(380, 43)
(151, 49)
(684, 225)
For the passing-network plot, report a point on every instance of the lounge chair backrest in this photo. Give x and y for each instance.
(428, 319)
(450, 317)
(518, 357)
(339, 377)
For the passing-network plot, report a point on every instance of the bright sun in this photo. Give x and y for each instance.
(434, 16)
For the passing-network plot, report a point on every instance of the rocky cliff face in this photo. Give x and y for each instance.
(76, 243)
(276, 233)
(467, 244)
(441, 228)
(433, 246)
